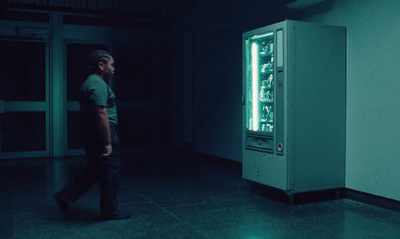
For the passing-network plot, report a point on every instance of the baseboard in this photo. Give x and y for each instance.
(306, 197)
(371, 199)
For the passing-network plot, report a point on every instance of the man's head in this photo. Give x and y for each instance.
(102, 63)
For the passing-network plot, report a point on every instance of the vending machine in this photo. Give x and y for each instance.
(294, 106)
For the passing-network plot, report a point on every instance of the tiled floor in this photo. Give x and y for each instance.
(181, 196)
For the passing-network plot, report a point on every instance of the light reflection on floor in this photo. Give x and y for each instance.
(175, 196)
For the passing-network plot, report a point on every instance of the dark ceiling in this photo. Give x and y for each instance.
(138, 8)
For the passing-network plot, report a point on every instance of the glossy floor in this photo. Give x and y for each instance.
(180, 196)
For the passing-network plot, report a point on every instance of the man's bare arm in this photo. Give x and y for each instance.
(104, 130)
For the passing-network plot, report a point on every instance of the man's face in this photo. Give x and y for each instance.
(107, 68)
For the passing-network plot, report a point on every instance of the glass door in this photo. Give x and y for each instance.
(24, 99)
(259, 50)
(136, 92)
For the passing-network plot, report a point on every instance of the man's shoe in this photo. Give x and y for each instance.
(115, 216)
(62, 203)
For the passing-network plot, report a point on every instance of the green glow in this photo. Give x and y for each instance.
(255, 79)
(262, 35)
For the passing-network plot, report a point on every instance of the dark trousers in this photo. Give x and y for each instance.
(101, 170)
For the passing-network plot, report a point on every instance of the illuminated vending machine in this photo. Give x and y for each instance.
(294, 106)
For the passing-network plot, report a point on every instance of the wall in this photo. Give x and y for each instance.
(373, 89)
(373, 84)
(217, 72)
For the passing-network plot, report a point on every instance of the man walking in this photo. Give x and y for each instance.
(99, 121)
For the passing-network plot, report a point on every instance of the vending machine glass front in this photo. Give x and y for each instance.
(259, 50)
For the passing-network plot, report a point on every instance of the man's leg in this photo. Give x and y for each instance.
(109, 182)
(81, 183)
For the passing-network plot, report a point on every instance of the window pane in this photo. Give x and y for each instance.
(77, 66)
(73, 122)
(23, 131)
(165, 74)
(133, 73)
(165, 128)
(135, 128)
(23, 77)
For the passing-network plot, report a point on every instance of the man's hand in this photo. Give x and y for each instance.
(107, 151)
